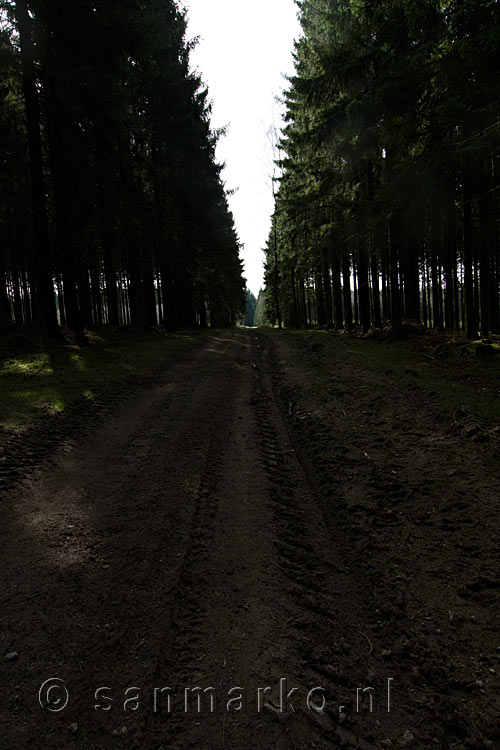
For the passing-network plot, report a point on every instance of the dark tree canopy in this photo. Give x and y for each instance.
(112, 207)
(389, 201)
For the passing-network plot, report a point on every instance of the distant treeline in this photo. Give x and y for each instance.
(112, 207)
(388, 205)
(255, 310)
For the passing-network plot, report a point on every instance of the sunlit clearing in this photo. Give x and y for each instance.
(39, 365)
(50, 402)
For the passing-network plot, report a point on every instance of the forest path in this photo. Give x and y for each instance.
(216, 532)
(168, 549)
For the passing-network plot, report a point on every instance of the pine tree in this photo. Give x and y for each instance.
(390, 170)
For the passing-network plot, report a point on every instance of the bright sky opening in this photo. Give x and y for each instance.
(244, 52)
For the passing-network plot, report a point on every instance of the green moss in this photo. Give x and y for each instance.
(451, 370)
(38, 378)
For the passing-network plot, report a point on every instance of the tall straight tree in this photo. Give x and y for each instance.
(44, 308)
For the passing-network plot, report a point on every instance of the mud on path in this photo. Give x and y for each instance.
(229, 529)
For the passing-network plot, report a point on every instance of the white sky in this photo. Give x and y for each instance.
(244, 50)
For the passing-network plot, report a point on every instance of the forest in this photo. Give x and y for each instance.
(236, 519)
(388, 206)
(113, 210)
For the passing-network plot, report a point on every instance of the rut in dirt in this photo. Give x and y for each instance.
(178, 547)
(230, 560)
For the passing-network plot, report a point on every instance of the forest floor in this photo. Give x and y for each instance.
(253, 512)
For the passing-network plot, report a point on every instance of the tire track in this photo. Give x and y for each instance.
(184, 632)
(183, 544)
(301, 540)
(110, 523)
(312, 556)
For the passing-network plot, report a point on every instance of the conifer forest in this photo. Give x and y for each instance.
(388, 207)
(113, 208)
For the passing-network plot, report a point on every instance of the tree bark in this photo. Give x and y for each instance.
(346, 288)
(377, 316)
(327, 289)
(44, 308)
(337, 293)
(396, 316)
(470, 309)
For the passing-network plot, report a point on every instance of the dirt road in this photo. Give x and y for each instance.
(198, 538)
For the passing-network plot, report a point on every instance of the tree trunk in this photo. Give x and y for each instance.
(18, 304)
(430, 312)
(110, 271)
(355, 293)
(386, 307)
(411, 278)
(337, 293)
(5, 317)
(26, 298)
(485, 255)
(377, 317)
(60, 302)
(84, 295)
(396, 317)
(424, 297)
(303, 303)
(363, 289)
(44, 308)
(494, 293)
(60, 145)
(346, 284)
(436, 307)
(295, 307)
(450, 261)
(327, 289)
(470, 310)
(276, 278)
(320, 299)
